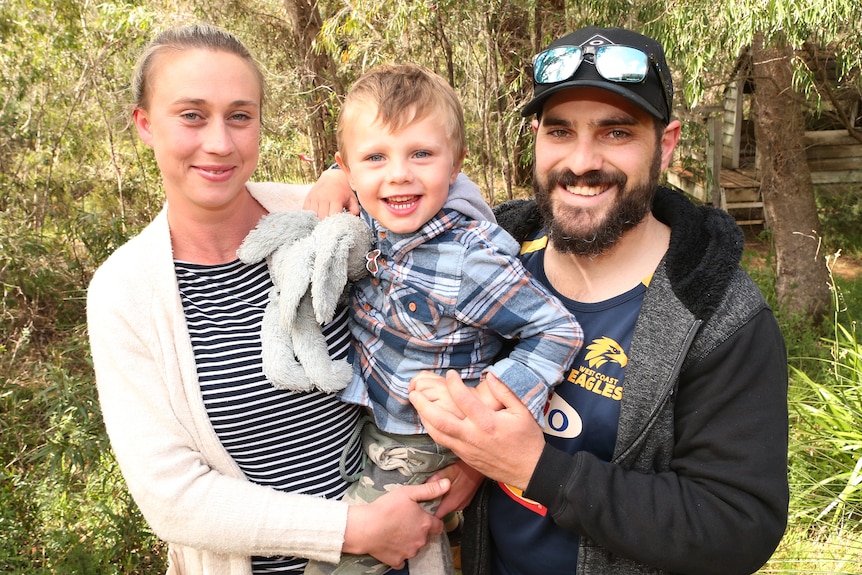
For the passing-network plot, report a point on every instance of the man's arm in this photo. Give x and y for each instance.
(721, 508)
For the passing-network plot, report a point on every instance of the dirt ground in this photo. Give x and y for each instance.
(845, 266)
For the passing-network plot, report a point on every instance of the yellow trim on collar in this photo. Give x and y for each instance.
(534, 245)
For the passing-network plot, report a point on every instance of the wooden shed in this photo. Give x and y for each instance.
(730, 179)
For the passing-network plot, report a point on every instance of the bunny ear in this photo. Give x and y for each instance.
(274, 231)
(296, 264)
(337, 239)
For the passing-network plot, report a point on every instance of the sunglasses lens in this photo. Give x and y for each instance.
(622, 64)
(556, 64)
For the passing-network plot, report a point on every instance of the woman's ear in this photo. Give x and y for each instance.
(142, 123)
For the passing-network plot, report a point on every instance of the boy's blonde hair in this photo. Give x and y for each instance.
(402, 94)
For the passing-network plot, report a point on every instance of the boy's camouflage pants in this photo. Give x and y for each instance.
(394, 460)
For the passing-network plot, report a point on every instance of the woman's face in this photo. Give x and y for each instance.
(203, 123)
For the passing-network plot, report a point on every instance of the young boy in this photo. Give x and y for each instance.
(443, 292)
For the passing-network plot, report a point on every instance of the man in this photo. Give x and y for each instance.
(665, 448)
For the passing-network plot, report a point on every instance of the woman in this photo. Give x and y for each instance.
(237, 476)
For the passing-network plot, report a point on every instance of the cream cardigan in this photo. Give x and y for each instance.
(188, 488)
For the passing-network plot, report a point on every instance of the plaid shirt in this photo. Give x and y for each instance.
(446, 297)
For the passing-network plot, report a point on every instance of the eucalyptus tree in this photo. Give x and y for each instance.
(778, 33)
(704, 39)
(477, 46)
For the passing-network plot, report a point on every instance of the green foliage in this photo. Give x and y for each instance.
(827, 405)
(840, 213)
(75, 183)
(825, 401)
(63, 505)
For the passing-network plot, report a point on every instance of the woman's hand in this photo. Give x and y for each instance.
(331, 194)
(394, 527)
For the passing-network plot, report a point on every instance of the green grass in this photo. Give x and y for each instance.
(825, 459)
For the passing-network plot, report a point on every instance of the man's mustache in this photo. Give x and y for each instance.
(594, 179)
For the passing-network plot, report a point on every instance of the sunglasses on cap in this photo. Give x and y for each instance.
(620, 64)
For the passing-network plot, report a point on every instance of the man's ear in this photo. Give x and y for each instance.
(669, 140)
(535, 124)
(142, 123)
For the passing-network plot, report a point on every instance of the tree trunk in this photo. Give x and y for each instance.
(317, 77)
(802, 279)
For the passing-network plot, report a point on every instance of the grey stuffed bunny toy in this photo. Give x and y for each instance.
(310, 262)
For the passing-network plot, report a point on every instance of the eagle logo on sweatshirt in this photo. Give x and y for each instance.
(603, 350)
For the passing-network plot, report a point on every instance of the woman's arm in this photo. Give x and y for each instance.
(191, 492)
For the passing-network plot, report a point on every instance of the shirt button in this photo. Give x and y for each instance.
(366, 307)
(375, 282)
(382, 235)
(412, 306)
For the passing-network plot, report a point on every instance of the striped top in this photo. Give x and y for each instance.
(290, 441)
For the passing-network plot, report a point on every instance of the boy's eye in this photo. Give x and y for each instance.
(190, 116)
(422, 154)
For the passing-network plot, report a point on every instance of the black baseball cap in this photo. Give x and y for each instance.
(654, 94)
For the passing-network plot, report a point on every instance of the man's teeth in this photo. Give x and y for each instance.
(583, 190)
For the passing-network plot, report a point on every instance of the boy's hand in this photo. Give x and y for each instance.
(331, 194)
(433, 386)
(484, 392)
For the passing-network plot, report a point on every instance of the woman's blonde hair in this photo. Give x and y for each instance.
(193, 36)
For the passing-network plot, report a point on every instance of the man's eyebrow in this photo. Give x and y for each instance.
(558, 122)
(606, 122)
(618, 120)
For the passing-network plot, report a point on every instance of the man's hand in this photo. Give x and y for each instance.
(465, 481)
(331, 194)
(504, 445)
(394, 527)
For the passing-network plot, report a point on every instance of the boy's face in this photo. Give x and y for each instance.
(401, 178)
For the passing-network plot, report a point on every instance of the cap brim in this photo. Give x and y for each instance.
(534, 105)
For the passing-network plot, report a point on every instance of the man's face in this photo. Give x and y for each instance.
(598, 160)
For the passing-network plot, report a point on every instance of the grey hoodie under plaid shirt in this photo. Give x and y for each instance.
(447, 297)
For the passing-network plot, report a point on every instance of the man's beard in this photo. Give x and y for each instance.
(594, 238)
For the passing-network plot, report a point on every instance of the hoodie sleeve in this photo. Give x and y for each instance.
(721, 505)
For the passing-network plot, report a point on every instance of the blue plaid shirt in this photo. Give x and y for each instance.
(447, 297)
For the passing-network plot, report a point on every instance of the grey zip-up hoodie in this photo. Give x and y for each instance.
(698, 480)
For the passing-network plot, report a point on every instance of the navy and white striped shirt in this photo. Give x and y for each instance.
(290, 441)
